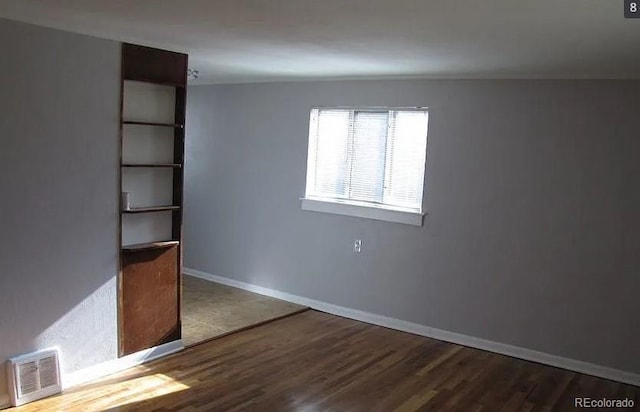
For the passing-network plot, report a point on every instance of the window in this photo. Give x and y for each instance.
(367, 162)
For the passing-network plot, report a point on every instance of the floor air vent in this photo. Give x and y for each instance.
(34, 376)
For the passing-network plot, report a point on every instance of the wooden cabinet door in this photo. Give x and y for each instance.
(150, 311)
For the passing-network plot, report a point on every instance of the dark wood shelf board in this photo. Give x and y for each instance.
(150, 245)
(146, 64)
(174, 165)
(135, 122)
(152, 209)
(160, 83)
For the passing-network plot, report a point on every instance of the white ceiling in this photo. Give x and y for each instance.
(264, 40)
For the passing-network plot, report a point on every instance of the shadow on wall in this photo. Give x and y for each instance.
(59, 191)
(85, 332)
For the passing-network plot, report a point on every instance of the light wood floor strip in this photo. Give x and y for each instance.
(211, 310)
(314, 361)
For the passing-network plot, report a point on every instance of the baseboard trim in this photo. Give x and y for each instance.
(116, 365)
(440, 334)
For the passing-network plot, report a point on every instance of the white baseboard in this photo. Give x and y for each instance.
(440, 334)
(116, 365)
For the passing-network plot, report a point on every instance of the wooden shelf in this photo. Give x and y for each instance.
(174, 125)
(160, 83)
(150, 245)
(174, 165)
(152, 209)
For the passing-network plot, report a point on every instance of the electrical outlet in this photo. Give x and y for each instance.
(357, 246)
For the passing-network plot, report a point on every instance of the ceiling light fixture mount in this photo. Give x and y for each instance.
(192, 74)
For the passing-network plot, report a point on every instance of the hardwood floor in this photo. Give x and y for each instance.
(313, 361)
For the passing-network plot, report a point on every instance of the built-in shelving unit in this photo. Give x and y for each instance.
(152, 158)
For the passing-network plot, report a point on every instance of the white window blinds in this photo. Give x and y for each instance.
(368, 156)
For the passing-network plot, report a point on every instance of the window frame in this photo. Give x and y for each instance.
(356, 208)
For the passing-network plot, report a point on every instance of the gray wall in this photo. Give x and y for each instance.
(531, 237)
(59, 102)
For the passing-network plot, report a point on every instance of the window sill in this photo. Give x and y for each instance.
(364, 211)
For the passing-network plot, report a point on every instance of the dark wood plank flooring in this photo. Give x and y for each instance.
(313, 362)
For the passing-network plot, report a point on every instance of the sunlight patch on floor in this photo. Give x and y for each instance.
(112, 395)
(142, 389)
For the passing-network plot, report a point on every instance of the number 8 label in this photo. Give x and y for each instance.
(631, 9)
